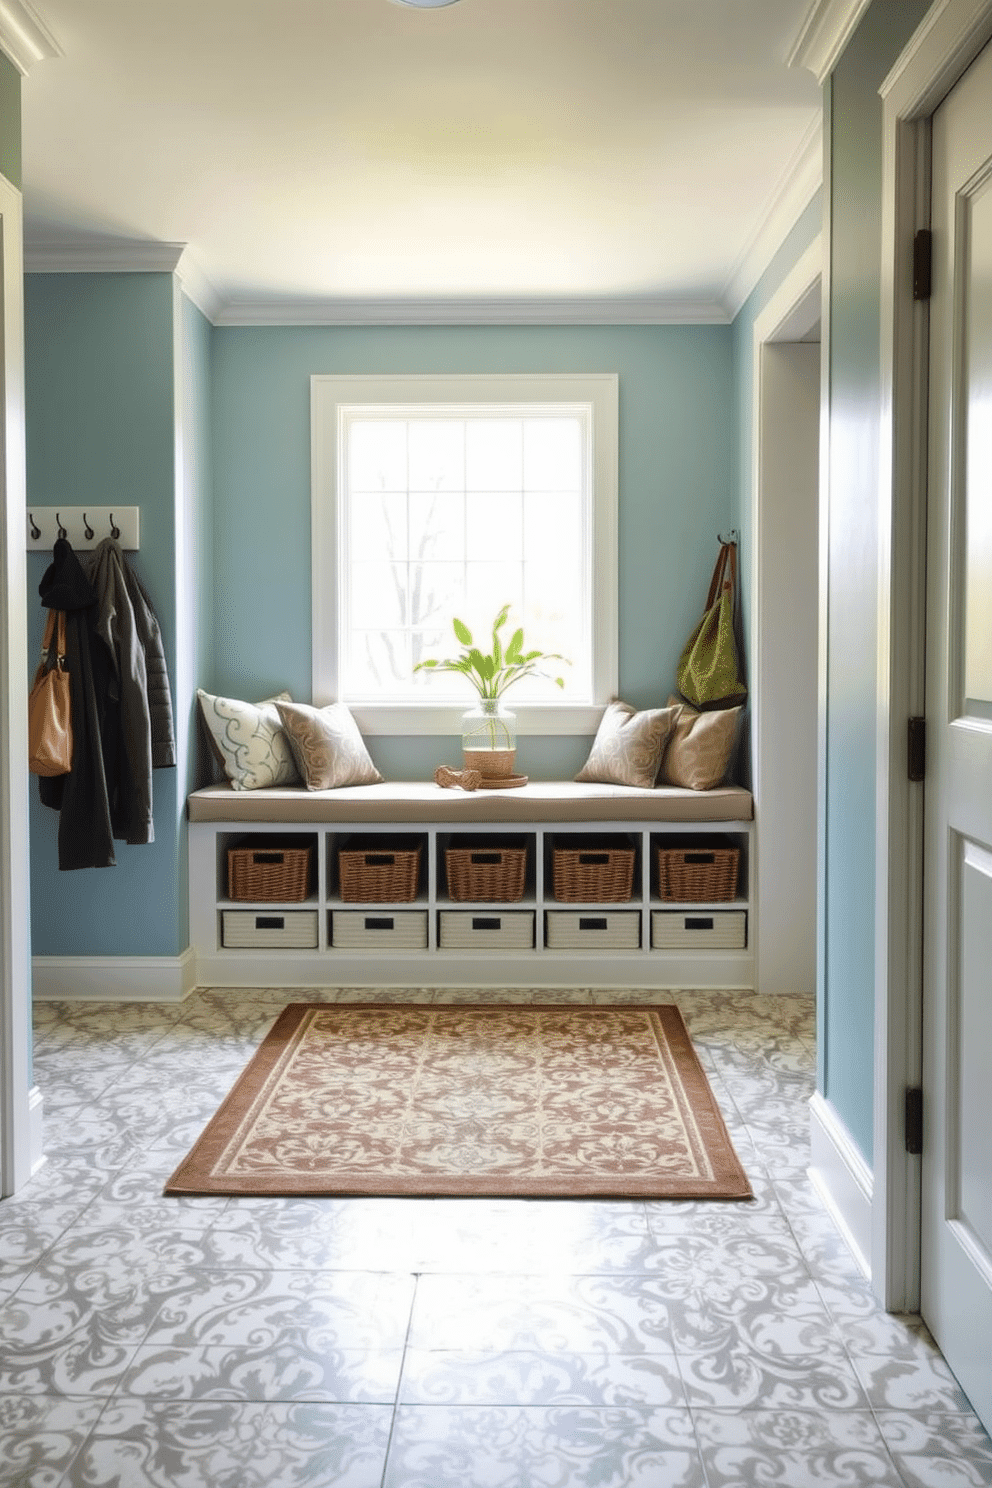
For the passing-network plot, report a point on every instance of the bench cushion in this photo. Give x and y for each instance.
(421, 801)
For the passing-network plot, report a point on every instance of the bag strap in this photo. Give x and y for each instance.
(60, 643)
(716, 582)
(54, 635)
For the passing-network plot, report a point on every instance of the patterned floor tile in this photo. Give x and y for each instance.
(563, 1447)
(452, 1377)
(139, 1444)
(280, 1372)
(920, 1384)
(40, 1438)
(937, 1451)
(740, 1377)
(794, 1449)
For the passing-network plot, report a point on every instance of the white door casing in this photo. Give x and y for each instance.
(956, 1247)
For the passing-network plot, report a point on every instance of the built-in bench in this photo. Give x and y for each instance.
(537, 939)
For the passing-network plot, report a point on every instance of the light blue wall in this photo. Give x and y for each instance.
(99, 398)
(677, 488)
(847, 997)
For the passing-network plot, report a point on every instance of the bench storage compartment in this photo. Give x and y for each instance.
(464, 929)
(352, 929)
(292, 929)
(698, 929)
(613, 930)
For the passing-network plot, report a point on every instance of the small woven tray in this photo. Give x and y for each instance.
(701, 875)
(592, 874)
(491, 873)
(379, 875)
(268, 875)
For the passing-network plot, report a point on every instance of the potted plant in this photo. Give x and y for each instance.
(489, 730)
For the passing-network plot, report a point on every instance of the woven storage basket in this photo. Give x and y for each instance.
(597, 875)
(492, 873)
(700, 874)
(269, 875)
(379, 875)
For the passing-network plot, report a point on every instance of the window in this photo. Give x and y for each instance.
(436, 497)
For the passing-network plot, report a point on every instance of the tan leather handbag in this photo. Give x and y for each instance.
(49, 706)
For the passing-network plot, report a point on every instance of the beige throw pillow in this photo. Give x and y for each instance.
(702, 747)
(248, 741)
(629, 746)
(328, 748)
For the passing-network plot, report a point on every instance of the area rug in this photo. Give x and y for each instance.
(552, 1101)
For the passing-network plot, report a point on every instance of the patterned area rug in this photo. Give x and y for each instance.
(374, 1098)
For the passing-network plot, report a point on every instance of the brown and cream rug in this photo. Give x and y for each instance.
(378, 1098)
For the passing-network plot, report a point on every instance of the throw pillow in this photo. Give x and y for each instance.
(702, 746)
(629, 746)
(328, 748)
(248, 741)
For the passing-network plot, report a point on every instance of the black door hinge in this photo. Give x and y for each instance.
(916, 749)
(914, 1120)
(922, 264)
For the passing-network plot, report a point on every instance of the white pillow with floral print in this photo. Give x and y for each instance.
(248, 740)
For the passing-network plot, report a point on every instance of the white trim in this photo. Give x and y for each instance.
(948, 40)
(599, 389)
(15, 932)
(803, 179)
(114, 978)
(24, 37)
(842, 1178)
(828, 27)
(36, 1128)
(413, 312)
(197, 288)
(101, 256)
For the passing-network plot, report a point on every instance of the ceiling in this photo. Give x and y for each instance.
(355, 159)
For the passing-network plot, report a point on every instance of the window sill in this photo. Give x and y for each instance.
(412, 719)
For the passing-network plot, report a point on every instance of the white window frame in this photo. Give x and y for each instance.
(328, 394)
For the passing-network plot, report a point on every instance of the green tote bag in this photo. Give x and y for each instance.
(710, 672)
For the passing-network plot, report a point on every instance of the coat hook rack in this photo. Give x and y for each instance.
(731, 537)
(83, 527)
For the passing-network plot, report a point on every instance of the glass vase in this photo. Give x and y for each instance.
(489, 739)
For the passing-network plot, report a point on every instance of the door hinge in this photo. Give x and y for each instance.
(922, 264)
(916, 749)
(914, 1120)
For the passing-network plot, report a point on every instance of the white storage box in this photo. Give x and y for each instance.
(713, 930)
(367, 930)
(613, 930)
(463, 930)
(291, 929)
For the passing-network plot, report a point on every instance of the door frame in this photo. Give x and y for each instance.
(946, 43)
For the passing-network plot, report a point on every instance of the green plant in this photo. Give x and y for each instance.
(492, 672)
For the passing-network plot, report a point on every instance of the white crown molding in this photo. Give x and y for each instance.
(197, 287)
(549, 312)
(24, 37)
(109, 256)
(828, 27)
(802, 180)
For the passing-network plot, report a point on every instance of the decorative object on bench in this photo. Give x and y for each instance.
(379, 873)
(711, 667)
(629, 745)
(266, 872)
(469, 780)
(486, 870)
(327, 746)
(594, 872)
(489, 730)
(698, 871)
(702, 748)
(609, 1102)
(248, 741)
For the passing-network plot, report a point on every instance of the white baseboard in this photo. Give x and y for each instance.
(113, 978)
(36, 1128)
(842, 1178)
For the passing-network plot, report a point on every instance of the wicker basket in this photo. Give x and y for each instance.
(492, 873)
(379, 875)
(269, 874)
(592, 875)
(699, 874)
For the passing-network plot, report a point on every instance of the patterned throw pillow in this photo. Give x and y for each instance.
(329, 750)
(248, 741)
(629, 746)
(702, 747)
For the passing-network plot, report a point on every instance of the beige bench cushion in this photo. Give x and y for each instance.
(416, 801)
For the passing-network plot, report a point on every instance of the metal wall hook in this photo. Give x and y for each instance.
(115, 531)
(731, 537)
(35, 529)
(87, 529)
(63, 532)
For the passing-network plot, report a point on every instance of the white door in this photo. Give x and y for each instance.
(957, 1158)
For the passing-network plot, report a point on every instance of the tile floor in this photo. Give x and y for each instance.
(404, 1343)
